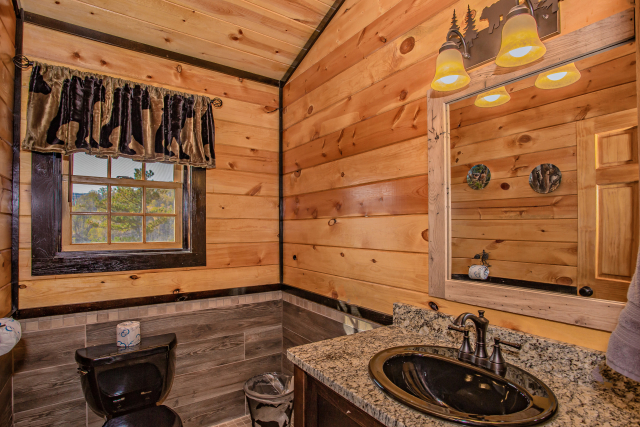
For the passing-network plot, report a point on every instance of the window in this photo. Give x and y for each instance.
(102, 215)
(114, 204)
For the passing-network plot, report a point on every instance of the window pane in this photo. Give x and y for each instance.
(88, 198)
(161, 229)
(126, 199)
(126, 168)
(159, 172)
(160, 200)
(126, 229)
(88, 229)
(86, 165)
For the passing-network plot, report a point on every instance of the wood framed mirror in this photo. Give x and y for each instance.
(592, 216)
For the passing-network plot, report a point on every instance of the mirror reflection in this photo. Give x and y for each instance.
(544, 180)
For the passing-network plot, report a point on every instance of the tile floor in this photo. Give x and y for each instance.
(238, 422)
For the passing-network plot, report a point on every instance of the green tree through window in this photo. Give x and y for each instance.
(128, 211)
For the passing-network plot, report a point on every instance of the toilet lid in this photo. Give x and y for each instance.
(156, 416)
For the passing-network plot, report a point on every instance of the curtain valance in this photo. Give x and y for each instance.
(71, 111)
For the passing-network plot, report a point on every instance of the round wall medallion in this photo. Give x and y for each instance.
(545, 178)
(217, 103)
(478, 177)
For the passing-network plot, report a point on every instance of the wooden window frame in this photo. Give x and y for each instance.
(599, 314)
(69, 179)
(47, 257)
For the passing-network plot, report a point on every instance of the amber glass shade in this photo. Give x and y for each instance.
(450, 72)
(558, 77)
(493, 98)
(520, 42)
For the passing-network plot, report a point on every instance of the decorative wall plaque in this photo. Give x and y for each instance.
(478, 177)
(485, 44)
(545, 178)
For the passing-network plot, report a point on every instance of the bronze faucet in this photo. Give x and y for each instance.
(496, 362)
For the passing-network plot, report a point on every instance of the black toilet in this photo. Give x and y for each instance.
(128, 385)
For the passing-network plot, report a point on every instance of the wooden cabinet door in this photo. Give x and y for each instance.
(608, 221)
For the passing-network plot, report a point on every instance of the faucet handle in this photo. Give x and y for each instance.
(465, 348)
(498, 341)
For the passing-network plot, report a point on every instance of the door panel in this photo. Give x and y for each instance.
(608, 214)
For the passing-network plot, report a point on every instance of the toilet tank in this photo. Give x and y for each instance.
(117, 380)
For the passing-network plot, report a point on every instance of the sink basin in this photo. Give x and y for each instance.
(433, 381)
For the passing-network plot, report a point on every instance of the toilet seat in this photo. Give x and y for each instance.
(155, 416)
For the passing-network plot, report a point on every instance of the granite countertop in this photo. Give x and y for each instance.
(588, 393)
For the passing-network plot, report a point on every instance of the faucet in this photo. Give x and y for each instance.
(496, 362)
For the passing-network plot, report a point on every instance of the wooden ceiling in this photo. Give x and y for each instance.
(263, 37)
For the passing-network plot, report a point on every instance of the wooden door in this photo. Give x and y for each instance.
(608, 221)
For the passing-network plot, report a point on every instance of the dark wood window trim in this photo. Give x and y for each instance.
(46, 228)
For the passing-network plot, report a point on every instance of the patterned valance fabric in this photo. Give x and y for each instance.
(71, 111)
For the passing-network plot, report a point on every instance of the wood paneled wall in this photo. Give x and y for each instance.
(7, 73)
(355, 158)
(531, 236)
(242, 193)
(7, 51)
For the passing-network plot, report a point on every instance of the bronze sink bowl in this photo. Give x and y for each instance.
(432, 380)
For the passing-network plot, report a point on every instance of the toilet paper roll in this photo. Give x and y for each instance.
(10, 334)
(480, 272)
(128, 334)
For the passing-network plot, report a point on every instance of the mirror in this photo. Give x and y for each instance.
(544, 181)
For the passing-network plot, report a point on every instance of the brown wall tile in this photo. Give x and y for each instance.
(198, 325)
(290, 339)
(213, 411)
(44, 349)
(6, 417)
(44, 387)
(204, 385)
(207, 354)
(6, 362)
(262, 342)
(68, 414)
(310, 325)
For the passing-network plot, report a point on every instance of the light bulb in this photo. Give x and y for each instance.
(448, 79)
(556, 76)
(520, 52)
(491, 98)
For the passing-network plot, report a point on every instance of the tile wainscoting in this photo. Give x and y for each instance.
(222, 342)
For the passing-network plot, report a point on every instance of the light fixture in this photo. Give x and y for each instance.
(520, 41)
(450, 72)
(558, 77)
(493, 98)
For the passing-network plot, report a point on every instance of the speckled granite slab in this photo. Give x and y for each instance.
(588, 393)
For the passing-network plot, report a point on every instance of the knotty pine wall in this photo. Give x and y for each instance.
(242, 193)
(7, 51)
(355, 157)
(533, 236)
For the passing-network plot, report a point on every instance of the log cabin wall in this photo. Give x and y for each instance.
(531, 236)
(355, 157)
(242, 193)
(7, 51)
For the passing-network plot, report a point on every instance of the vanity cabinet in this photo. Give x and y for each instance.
(316, 405)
